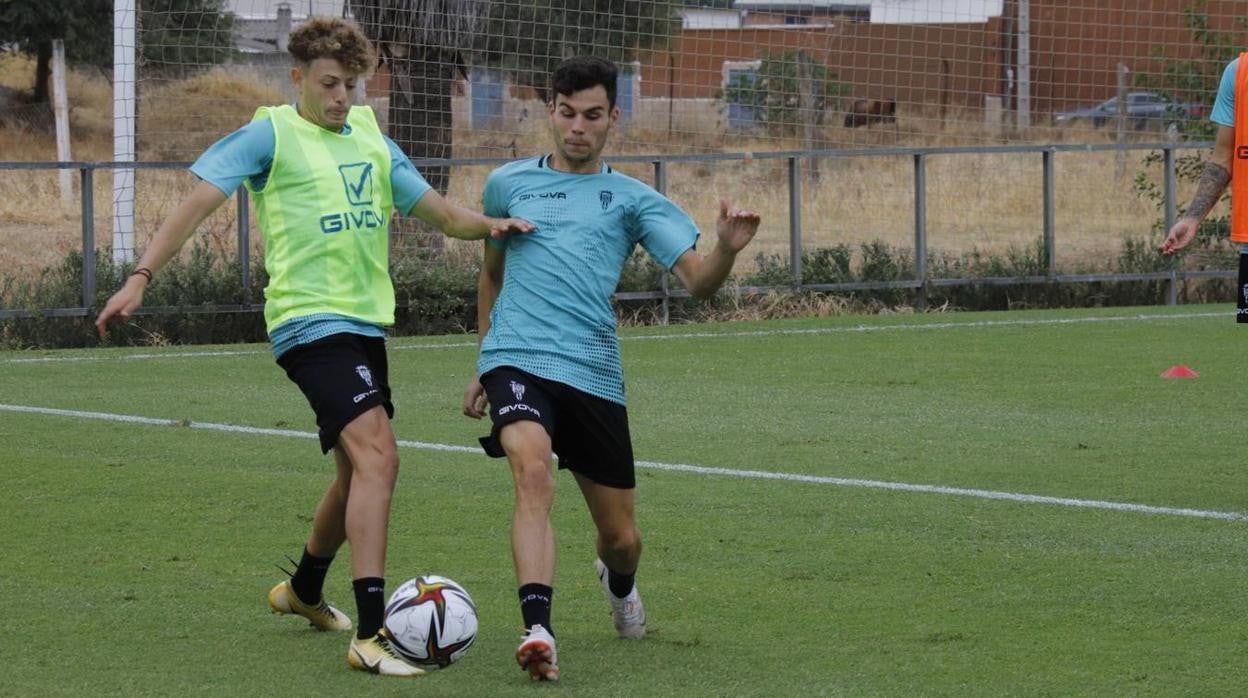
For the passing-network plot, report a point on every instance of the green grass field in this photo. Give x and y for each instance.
(136, 556)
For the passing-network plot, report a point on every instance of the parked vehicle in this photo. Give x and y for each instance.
(1145, 111)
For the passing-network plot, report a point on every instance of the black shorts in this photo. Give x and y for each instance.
(342, 376)
(588, 433)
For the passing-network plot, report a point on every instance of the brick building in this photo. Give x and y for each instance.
(1076, 48)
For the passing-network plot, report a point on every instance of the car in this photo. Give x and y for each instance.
(1145, 111)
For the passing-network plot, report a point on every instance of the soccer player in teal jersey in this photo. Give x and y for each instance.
(326, 181)
(549, 371)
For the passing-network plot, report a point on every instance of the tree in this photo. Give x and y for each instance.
(424, 43)
(1194, 80)
(31, 25)
(789, 93)
(181, 33)
(178, 37)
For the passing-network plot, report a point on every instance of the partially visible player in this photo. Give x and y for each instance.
(1223, 167)
(549, 367)
(326, 181)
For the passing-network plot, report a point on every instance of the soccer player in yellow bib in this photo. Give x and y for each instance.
(326, 181)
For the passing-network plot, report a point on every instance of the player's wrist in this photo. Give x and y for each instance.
(141, 275)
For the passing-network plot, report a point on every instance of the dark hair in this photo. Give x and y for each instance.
(582, 73)
(336, 38)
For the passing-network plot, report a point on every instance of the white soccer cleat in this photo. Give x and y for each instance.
(536, 654)
(627, 613)
(376, 656)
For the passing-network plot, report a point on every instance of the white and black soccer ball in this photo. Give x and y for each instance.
(431, 620)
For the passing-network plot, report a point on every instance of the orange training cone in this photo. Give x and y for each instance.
(1179, 371)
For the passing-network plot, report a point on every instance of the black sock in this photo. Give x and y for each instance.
(535, 605)
(309, 577)
(370, 603)
(620, 584)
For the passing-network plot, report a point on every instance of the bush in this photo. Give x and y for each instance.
(773, 95)
(436, 292)
(879, 261)
(199, 284)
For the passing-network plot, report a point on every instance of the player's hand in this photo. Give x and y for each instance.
(123, 303)
(506, 226)
(475, 402)
(735, 227)
(1183, 232)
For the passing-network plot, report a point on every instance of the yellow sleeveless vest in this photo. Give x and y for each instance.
(325, 214)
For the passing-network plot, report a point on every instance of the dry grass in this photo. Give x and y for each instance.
(982, 202)
(179, 120)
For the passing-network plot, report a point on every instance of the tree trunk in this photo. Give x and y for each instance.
(420, 123)
(43, 72)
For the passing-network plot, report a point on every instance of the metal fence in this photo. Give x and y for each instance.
(921, 282)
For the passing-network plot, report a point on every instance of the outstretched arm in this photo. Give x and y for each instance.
(169, 238)
(1213, 180)
(703, 276)
(464, 224)
(489, 283)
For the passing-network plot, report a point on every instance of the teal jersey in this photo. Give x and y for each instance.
(553, 317)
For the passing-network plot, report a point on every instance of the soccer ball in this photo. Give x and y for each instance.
(431, 620)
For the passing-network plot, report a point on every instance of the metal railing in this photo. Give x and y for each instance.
(921, 282)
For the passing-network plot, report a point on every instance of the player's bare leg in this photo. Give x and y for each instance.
(328, 534)
(528, 450)
(329, 522)
(369, 445)
(619, 551)
(532, 537)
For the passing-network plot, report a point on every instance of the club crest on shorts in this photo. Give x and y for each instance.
(365, 374)
(517, 389)
(1244, 291)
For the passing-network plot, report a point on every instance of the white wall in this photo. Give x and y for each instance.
(934, 11)
(298, 8)
(701, 18)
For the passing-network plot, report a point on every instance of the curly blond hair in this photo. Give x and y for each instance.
(333, 37)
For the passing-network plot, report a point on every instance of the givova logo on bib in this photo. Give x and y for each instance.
(357, 183)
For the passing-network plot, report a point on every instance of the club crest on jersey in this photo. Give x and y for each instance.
(517, 389)
(605, 198)
(365, 375)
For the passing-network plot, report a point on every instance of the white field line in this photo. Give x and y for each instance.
(679, 467)
(852, 329)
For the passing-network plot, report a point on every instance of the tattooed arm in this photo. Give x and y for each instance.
(1213, 181)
